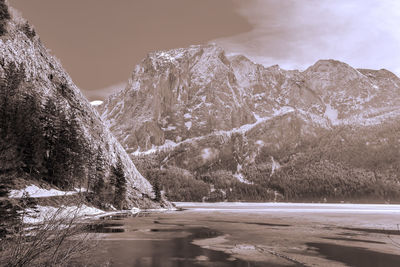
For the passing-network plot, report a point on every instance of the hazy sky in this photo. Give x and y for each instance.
(297, 33)
(100, 41)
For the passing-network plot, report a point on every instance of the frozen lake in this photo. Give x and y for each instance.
(290, 207)
(254, 234)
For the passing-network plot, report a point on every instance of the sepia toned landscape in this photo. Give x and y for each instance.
(266, 135)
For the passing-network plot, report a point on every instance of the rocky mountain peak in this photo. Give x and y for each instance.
(331, 75)
(188, 89)
(189, 92)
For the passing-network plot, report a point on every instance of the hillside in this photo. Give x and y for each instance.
(208, 126)
(49, 133)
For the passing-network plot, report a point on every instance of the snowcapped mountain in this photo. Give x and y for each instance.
(203, 111)
(50, 132)
(184, 93)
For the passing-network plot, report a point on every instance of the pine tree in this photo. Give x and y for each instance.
(78, 152)
(50, 125)
(10, 155)
(28, 30)
(9, 85)
(30, 134)
(156, 189)
(99, 164)
(91, 169)
(62, 149)
(4, 16)
(120, 184)
(101, 190)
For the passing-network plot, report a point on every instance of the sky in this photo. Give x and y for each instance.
(297, 33)
(99, 42)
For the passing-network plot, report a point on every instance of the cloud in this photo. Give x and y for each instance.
(295, 34)
(103, 93)
(96, 102)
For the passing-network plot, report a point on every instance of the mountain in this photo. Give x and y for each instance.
(240, 131)
(50, 134)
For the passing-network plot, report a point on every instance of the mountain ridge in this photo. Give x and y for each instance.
(242, 131)
(273, 87)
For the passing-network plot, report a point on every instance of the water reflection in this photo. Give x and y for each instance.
(169, 252)
(104, 228)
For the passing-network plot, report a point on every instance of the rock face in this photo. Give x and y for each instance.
(184, 93)
(49, 131)
(177, 95)
(212, 115)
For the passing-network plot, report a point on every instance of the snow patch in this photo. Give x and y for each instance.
(166, 56)
(36, 192)
(275, 166)
(241, 178)
(188, 125)
(41, 214)
(283, 110)
(169, 128)
(169, 144)
(331, 114)
(260, 143)
(207, 153)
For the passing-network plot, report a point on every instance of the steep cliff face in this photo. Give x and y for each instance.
(177, 95)
(183, 93)
(212, 115)
(49, 131)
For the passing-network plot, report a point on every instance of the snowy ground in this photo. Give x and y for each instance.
(45, 213)
(36, 192)
(41, 213)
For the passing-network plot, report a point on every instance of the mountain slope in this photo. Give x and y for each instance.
(198, 90)
(49, 132)
(203, 114)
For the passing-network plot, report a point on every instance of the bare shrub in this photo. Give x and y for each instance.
(57, 240)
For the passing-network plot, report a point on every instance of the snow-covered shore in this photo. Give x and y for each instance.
(268, 207)
(42, 213)
(36, 192)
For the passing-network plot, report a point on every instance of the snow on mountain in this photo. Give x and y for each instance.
(217, 117)
(189, 92)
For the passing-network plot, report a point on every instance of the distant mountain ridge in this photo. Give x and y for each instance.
(198, 90)
(224, 122)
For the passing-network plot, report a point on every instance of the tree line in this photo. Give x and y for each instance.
(43, 139)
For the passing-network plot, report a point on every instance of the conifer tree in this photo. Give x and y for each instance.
(156, 189)
(120, 184)
(4, 16)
